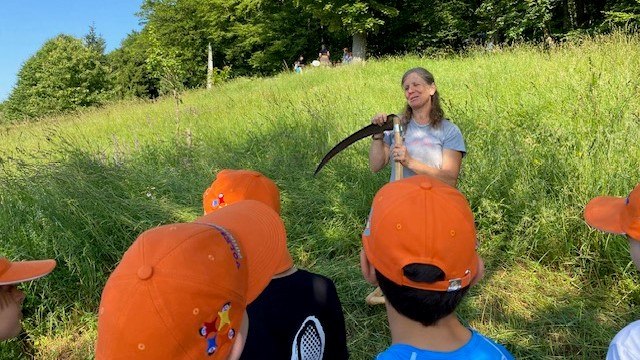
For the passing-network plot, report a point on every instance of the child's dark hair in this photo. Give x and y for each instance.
(424, 306)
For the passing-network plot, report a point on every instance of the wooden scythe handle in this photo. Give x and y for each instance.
(397, 138)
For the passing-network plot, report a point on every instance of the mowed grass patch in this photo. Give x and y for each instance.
(546, 130)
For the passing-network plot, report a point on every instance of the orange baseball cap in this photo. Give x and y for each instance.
(616, 215)
(421, 220)
(234, 185)
(21, 271)
(180, 290)
(231, 186)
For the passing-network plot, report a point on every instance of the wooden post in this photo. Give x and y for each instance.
(209, 67)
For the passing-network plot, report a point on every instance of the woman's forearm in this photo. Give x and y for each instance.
(378, 155)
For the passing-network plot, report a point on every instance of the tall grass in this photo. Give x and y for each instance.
(546, 130)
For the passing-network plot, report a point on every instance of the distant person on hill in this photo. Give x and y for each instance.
(419, 246)
(324, 56)
(11, 298)
(346, 56)
(433, 145)
(619, 215)
(299, 313)
(298, 65)
(181, 290)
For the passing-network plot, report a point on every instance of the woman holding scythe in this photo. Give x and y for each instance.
(432, 144)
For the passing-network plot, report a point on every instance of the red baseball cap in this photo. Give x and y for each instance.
(180, 290)
(421, 220)
(20, 271)
(234, 185)
(617, 215)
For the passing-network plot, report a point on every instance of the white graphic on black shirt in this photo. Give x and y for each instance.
(309, 341)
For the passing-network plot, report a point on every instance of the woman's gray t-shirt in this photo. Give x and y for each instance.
(425, 143)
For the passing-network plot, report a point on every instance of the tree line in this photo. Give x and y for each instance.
(263, 37)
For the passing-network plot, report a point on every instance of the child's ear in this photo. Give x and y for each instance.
(479, 272)
(241, 338)
(368, 271)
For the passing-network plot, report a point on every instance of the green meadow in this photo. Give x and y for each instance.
(546, 130)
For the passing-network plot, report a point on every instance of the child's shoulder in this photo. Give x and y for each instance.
(478, 347)
(488, 346)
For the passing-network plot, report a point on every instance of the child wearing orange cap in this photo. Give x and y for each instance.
(11, 298)
(419, 246)
(181, 290)
(298, 315)
(621, 216)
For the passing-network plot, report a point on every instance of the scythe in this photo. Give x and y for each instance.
(358, 135)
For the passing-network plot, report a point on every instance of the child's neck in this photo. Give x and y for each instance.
(287, 272)
(448, 334)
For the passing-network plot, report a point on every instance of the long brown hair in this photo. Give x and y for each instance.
(436, 114)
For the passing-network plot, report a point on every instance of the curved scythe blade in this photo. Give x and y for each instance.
(358, 135)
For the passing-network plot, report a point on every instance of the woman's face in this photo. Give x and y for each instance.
(417, 92)
(10, 311)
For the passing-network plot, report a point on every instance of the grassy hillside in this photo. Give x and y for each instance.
(545, 132)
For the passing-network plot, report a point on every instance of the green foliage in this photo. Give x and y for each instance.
(503, 20)
(130, 74)
(94, 42)
(220, 75)
(252, 37)
(353, 16)
(623, 14)
(179, 31)
(448, 25)
(266, 33)
(63, 75)
(162, 63)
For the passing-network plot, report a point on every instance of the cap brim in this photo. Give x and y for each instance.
(604, 213)
(21, 271)
(261, 234)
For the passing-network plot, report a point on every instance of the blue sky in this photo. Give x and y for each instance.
(25, 25)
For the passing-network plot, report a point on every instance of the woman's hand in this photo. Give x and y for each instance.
(400, 154)
(379, 119)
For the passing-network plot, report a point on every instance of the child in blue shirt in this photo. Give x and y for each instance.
(419, 246)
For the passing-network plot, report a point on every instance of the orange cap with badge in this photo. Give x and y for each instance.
(421, 220)
(180, 290)
(617, 215)
(235, 185)
(231, 186)
(20, 271)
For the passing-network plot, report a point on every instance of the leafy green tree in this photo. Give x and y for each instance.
(163, 63)
(130, 75)
(181, 30)
(2, 113)
(419, 28)
(623, 14)
(503, 20)
(250, 37)
(93, 41)
(262, 37)
(358, 18)
(63, 75)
